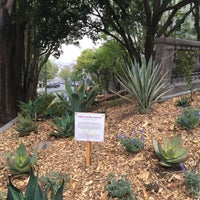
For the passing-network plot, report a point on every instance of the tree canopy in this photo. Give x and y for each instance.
(136, 23)
(101, 63)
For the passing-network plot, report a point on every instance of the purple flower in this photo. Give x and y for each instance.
(182, 166)
(134, 141)
(142, 131)
(121, 136)
(134, 132)
(185, 120)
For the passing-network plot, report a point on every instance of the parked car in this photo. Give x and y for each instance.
(53, 85)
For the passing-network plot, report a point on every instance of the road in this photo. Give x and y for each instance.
(52, 90)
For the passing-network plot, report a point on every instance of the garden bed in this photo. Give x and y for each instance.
(149, 180)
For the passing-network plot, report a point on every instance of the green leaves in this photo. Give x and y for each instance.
(33, 191)
(25, 125)
(77, 99)
(170, 154)
(21, 163)
(65, 126)
(146, 83)
(119, 188)
(189, 119)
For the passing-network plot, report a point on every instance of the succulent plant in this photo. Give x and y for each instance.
(21, 163)
(33, 191)
(25, 125)
(65, 126)
(171, 154)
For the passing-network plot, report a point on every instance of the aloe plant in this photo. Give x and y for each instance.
(21, 163)
(33, 191)
(145, 82)
(25, 125)
(171, 154)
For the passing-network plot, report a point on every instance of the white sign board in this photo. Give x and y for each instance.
(89, 126)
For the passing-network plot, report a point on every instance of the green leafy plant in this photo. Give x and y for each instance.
(185, 61)
(119, 188)
(33, 191)
(30, 108)
(53, 181)
(192, 179)
(21, 163)
(183, 102)
(77, 99)
(45, 101)
(25, 125)
(37, 107)
(171, 154)
(65, 126)
(56, 108)
(145, 82)
(132, 144)
(189, 119)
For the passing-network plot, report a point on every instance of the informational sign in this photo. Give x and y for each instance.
(89, 126)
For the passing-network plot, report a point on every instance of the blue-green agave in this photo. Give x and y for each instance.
(146, 82)
(171, 154)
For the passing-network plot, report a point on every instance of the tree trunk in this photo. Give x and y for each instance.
(7, 107)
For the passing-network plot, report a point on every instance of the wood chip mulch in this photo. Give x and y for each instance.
(149, 180)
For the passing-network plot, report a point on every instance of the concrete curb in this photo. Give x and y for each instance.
(8, 125)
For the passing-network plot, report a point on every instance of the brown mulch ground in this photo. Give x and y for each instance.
(149, 180)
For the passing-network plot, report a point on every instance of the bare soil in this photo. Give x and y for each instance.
(149, 180)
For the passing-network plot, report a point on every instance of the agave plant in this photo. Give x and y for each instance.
(21, 163)
(33, 191)
(171, 154)
(77, 99)
(145, 82)
(65, 126)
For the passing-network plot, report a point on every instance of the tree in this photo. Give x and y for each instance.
(30, 31)
(196, 14)
(101, 63)
(136, 23)
(48, 71)
(65, 73)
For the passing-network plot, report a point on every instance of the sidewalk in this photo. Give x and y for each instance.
(8, 125)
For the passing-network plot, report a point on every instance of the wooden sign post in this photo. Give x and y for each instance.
(88, 154)
(89, 127)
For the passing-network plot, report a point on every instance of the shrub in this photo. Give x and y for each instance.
(132, 144)
(53, 181)
(21, 163)
(189, 118)
(37, 107)
(56, 108)
(119, 188)
(25, 125)
(192, 179)
(145, 82)
(45, 101)
(171, 154)
(185, 60)
(183, 102)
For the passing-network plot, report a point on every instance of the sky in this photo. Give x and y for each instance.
(71, 52)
